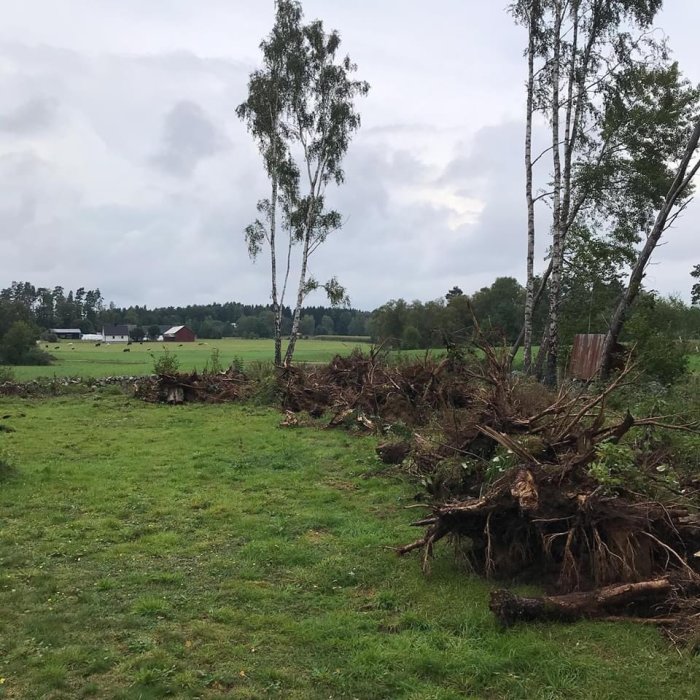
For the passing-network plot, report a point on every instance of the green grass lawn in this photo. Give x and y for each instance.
(203, 552)
(84, 359)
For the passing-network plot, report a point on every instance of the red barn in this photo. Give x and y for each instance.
(180, 334)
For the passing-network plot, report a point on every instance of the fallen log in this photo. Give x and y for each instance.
(647, 599)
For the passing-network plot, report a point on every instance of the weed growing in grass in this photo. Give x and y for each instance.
(236, 364)
(165, 363)
(213, 364)
(7, 467)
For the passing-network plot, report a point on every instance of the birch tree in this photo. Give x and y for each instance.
(323, 122)
(674, 202)
(587, 58)
(529, 13)
(265, 113)
(301, 109)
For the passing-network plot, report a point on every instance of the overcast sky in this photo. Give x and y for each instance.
(124, 167)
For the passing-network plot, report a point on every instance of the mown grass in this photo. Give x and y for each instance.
(204, 552)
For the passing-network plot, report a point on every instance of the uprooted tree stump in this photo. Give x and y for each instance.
(604, 545)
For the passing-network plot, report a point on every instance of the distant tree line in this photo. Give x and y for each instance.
(27, 311)
(43, 308)
(655, 325)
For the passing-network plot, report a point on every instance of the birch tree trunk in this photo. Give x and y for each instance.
(682, 180)
(276, 308)
(550, 376)
(530, 284)
(291, 345)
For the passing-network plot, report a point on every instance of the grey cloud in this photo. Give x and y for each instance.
(146, 90)
(189, 136)
(33, 115)
(398, 128)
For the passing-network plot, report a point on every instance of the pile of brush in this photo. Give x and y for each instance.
(532, 484)
(369, 390)
(535, 485)
(208, 387)
(551, 491)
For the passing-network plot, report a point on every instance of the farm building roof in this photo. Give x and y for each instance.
(173, 330)
(119, 329)
(65, 330)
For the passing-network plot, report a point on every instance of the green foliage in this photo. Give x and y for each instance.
(48, 337)
(53, 308)
(410, 338)
(307, 325)
(213, 364)
(18, 346)
(498, 308)
(695, 291)
(137, 334)
(660, 356)
(503, 461)
(7, 374)
(614, 465)
(165, 363)
(236, 363)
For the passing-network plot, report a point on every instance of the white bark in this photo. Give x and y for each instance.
(530, 284)
(557, 237)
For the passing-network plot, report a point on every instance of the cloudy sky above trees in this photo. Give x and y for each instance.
(123, 165)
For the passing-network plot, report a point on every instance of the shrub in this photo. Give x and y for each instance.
(7, 374)
(165, 363)
(16, 343)
(263, 377)
(236, 364)
(49, 337)
(37, 356)
(213, 364)
(659, 356)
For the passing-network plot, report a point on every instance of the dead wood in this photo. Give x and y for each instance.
(658, 600)
(393, 452)
(219, 387)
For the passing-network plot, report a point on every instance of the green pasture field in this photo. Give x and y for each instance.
(202, 551)
(85, 359)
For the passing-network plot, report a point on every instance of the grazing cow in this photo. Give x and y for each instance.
(126, 350)
(97, 345)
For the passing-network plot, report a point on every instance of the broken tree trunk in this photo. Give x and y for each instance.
(642, 596)
(683, 179)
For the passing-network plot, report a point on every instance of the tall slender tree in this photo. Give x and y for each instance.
(591, 58)
(678, 193)
(266, 113)
(300, 109)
